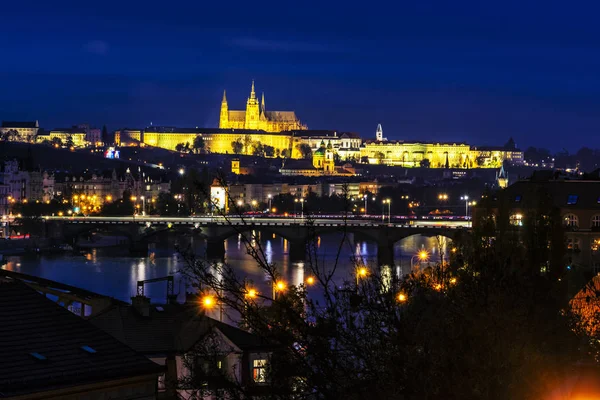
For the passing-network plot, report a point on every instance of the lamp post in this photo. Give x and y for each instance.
(422, 255)
(365, 197)
(389, 203)
(143, 205)
(209, 302)
(269, 197)
(466, 199)
(301, 201)
(278, 286)
(361, 272)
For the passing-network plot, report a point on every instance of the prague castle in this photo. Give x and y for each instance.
(256, 117)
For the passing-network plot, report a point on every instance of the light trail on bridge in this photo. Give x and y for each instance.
(256, 220)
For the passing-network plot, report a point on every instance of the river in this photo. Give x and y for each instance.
(114, 273)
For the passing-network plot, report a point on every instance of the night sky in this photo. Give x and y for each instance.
(474, 71)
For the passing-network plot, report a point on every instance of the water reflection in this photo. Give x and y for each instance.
(102, 272)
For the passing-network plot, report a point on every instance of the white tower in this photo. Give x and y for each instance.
(379, 133)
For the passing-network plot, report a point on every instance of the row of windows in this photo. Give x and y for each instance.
(572, 221)
(569, 220)
(572, 199)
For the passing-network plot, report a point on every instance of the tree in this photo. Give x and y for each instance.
(425, 163)
(122, 207)
(258, 149)
(199, 144)
(285, 153)
(69, 143)
(336, 158)
(247, 144)
(180, 147)
(269, 150)
(237, 146)
(304, 150)
(105, 139)
(56, 141)
(487, 323)
(379, 156)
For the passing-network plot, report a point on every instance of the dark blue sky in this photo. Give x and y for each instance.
(471, 71)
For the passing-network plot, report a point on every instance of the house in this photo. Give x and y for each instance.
(196, 350)
(49, 353)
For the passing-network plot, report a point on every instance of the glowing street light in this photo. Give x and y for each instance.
(365, 196)
(466, 200)
(269, 197)
(443, 196)
(389, 203)
(402, 297)
(422, 255)
(181, 171)
(209, 302)
(301, 201)
(310, 281)
(278, 286)
(361, 272)
(251, 293)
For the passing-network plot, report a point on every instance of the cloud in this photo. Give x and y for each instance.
(251, 43)
(98, 47)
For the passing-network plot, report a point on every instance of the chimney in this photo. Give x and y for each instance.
(141, 304)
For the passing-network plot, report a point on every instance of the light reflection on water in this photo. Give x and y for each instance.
(103, 272)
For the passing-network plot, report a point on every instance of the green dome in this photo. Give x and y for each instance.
(320, 151)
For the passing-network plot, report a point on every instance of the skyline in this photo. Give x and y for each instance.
(430, 72)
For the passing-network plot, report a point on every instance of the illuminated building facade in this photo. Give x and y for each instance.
(19, 131)
(256, 117)
(412, 154)
(576, 201)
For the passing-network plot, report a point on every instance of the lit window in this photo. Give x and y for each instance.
(516, 219)
(595, 245)
(259, 371)
(571, 220)
(572, 199)
(573, 244)
(596, 221)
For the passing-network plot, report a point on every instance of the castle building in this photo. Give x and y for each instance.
(19, 131)
(256, 117)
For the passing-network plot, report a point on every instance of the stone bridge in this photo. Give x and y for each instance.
(298, 232)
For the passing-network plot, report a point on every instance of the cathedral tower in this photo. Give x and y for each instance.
(224, 118)
(252, 110)
(379, 133)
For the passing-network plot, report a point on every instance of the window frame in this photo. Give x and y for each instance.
(571, 220)
(259, 370)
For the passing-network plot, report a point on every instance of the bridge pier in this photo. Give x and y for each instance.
(385, 254)
(138, 247)
(215, 249)
(298, 250)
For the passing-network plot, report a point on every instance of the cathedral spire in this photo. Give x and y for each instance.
(252, 93)
(224, 97)
(262, 102)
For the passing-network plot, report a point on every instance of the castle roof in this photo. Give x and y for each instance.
(281, 116)
(237, 115)
(16, 124)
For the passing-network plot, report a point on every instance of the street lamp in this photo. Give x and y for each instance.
(301, 201)
(442, 197)
(181, 171)
(278, 286)
(143, 205)
(466, 199)
(269, 197)
(422, 255)
(361, 272)
(389, 203)
(208, 302)
(365, 197)
(254, 203)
